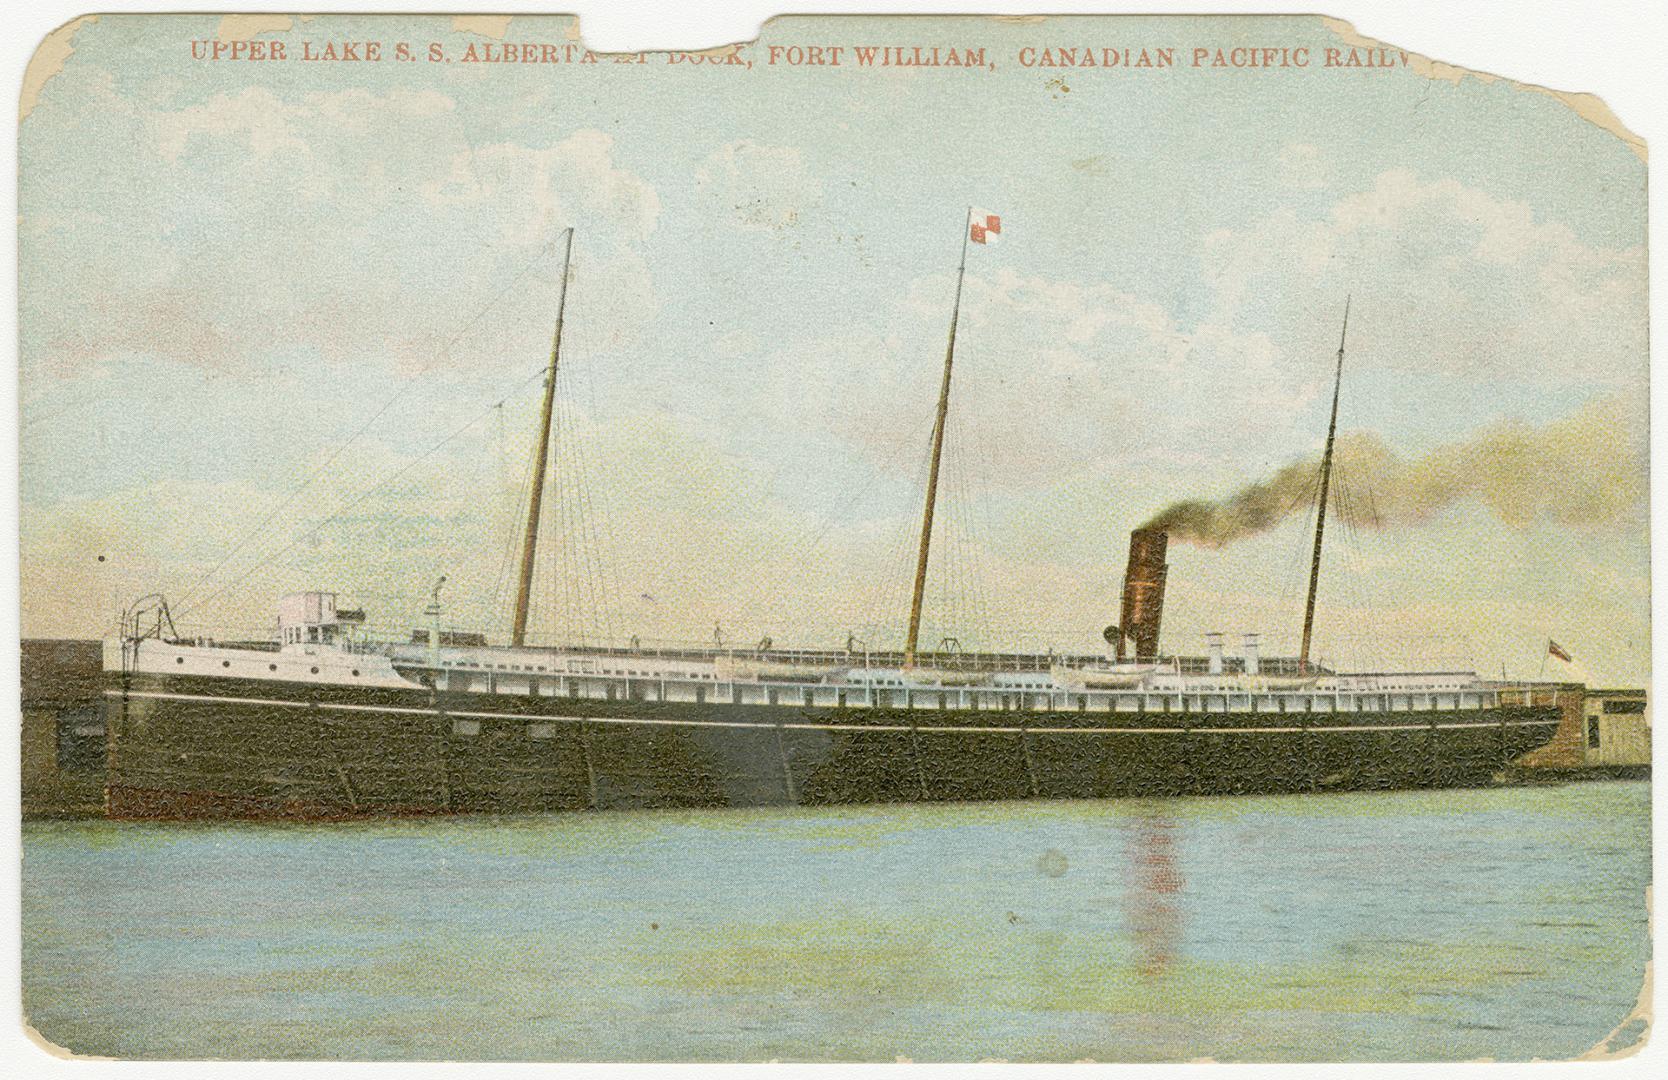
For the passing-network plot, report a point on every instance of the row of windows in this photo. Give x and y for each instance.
(632, 674)
(1037, 687)
(270, 667)
(987, 701)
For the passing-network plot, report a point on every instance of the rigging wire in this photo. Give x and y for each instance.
(359, 499)
(595, 560)
(260, 526)
(975, 487)
(1295, 579)
(518, 496)
(564, 588)
(444, 351)
(581, 623)
(607, 545)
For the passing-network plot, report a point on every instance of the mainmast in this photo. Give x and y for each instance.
(535, 498)
(937, 453)
(1320, 510)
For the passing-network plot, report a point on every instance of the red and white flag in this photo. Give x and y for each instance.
(986, 228)
(1557, 651)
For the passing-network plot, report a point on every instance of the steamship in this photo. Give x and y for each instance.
(326, 721)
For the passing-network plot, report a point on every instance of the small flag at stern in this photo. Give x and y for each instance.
(1557, 651)
(987, 228)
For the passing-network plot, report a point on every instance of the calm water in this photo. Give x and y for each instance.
(1503, 923)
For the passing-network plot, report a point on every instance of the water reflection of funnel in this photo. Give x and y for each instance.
(1152, 901)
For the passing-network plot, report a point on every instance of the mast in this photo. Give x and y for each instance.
(937, 454)
(1320, 511)
(535, 498)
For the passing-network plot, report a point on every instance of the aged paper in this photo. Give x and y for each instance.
(944, 538)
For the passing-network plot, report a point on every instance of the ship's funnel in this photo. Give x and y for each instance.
(1143, 606)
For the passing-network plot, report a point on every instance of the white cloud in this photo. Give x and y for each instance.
(1446, 279)
(273, 224)
(1050, 376)
(539, 192)
(255, 114)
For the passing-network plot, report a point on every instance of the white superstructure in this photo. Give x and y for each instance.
(320, 643)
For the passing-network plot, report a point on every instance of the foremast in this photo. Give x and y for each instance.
(535, 497)
(1320, 508)
(913, 638)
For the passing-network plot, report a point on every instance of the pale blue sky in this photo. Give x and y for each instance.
(227, 269)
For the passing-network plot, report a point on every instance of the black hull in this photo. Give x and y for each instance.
(220, 748)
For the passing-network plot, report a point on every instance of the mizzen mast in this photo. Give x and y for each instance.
(1320, 509)
(535, 497)
(913, 639)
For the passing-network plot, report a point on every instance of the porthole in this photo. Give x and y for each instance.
(315, 671)
(225, 663)
(179, 659)
(272, 667)
(356, 671)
